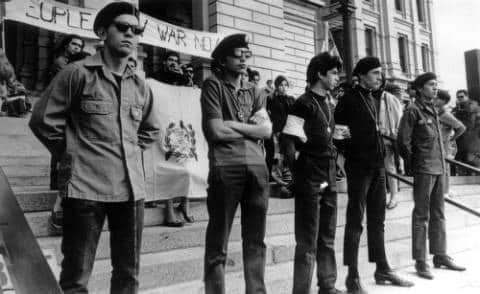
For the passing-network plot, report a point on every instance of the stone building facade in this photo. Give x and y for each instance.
(284, 35)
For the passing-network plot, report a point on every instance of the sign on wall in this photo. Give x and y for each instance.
(69, 19)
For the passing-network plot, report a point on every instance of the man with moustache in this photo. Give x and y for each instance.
(234, 120)
(420, 144)
(309, 127)
(365, 153)
(99, 115)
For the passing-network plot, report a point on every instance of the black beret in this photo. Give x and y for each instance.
(423, 78)
(365, 65)
(108, 13)
(229, 43)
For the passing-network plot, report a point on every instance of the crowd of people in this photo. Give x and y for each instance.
(97, 116)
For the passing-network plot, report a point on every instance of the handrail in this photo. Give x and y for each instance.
(449, 160)
(29, 271)
(448, 200)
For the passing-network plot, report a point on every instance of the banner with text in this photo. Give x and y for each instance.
(177, 165)
(69, 19)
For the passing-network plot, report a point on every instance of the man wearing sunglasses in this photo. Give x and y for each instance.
(234, 119)
(99, 115)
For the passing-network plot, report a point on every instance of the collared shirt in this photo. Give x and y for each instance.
(99, 128)
(220, 101)
(420, 140)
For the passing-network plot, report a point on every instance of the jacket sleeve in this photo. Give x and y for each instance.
(405, 131)
(50, 113)
(149, 129)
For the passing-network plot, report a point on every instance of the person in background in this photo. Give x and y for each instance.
(171, 72)
(420, 142)
(279, 105)
(358, 110)
(468, 112)
(12, 93)
(390, 112)
(238, 173)
(68, 46)
(269, 86)
(309, 129)
(254, 77)
(451, 129)
(101, 173)
(188, 71)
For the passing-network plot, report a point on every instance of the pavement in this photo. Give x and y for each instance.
(445, 281)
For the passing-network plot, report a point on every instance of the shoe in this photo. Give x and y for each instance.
(447, 262)
(423, 270)
(330, 291)
(184, 209)
(392, 204)
(56, 219)
(354, 286)
(171, 219)
(382, 277)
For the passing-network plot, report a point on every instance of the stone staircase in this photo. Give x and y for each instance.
(172, 258)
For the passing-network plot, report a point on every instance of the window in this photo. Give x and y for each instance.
(370, 49)
(421, 10)
(399, 5)
(337, 35)
(403, 52)
(425, 58)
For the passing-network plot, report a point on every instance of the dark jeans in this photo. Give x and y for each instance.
(229, 186)
(54, 172)
(315, 225)
(428, 213)
(82, 225)
(366, 190)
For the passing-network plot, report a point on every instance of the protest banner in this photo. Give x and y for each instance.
(177, 164)
(69, 19)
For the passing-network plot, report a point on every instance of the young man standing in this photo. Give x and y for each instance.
(420, 144)
(310, 127)
(234, 120)
(365, 153)
(99, 115)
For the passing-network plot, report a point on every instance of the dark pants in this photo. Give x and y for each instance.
(54, 172)
(82, 225)
(229, 186)
(366, 189)
(428, 213)
(315, 225)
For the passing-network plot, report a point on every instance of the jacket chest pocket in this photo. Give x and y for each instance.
(96, 120)
(134, 115)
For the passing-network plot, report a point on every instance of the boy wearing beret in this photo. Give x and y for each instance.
(365, 168)
(101, 167)
(420, 144)
(234, 119)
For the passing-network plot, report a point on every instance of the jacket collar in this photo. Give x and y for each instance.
(96, 61)
(426, 106)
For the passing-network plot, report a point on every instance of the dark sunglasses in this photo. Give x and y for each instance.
(460, 97)
(239, 52)
(123, 28)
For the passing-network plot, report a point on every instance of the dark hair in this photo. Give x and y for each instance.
(443, 95)
(279, 80)
(188, 65)
(462, 91)
(322, 63)
(252, 73)
(172, 53)
(60, 48)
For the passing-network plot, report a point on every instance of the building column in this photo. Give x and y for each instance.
(347, 9)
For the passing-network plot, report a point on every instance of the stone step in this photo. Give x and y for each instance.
(14, 160)
(15, 125)
(279, 275)
(178, 244)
